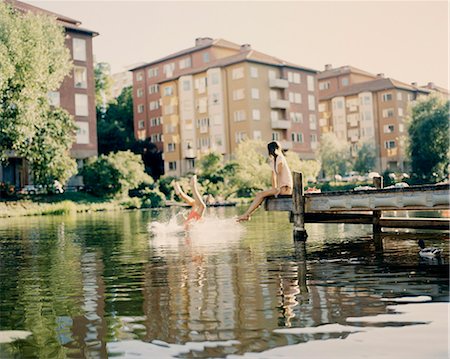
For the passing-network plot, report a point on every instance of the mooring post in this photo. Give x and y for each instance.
(378, 183)
(298, 208)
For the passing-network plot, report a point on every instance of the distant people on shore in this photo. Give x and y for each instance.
(282, 182)
(196, 201)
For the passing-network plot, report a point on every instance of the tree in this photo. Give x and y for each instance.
(115, 174)
(334, 154)
(365, 159)
(34, 61)
(103, 84)
(429, 139)
(309, 168)
(115, 126)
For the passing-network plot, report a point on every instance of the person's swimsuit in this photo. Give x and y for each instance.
(193, 216)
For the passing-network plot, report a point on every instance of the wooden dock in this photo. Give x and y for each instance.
(363, 207)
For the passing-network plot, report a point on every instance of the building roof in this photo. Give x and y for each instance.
(342, 71)
(244, 56)
(433, 87)
(373, 86)
(65, 21)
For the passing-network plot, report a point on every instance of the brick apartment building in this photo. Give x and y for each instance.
(217, 93)
(76, 95)
(361, 107)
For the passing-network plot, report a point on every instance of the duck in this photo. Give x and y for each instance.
(428, 252)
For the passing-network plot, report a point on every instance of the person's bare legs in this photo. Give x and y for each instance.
(185, 197)
(259, 198)
(198, 201)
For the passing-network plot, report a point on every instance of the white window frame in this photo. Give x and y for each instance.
(81, 105)
(79, 49)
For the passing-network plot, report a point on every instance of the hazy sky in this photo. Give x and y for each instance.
(406, 40)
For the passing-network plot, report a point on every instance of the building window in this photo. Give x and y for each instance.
(294, 77)
(168, 91)
(256, 114)
(272, 74)
(80, 77)
(387, 97)
(344, 81)
(310, 81)
(140, 92)
(323, 107)
(153, 105)
(237, 73)
(400, 111)
(274, 115)
(53, 98)
(140, 108)
(81, 105)
(139, 76)
(186, 85)
(312, 122)
(257, 135)
(240, 136)
(82, 134)
(297, 137)
(185, 63)
(399, 96)
(389, 144)
(169, 110)
(79, 49)
(253, 72)
(311, 102)
(238, 94)
(296, 117)
(171, 147)
(215, 78)
(401, 127)
(205, 57)
(388, 128)
(153, 89)
(141, 124)
(324, 85)
(168, 69)
(155, 121)
(255, 93)
(388, 112)
(295, 97)
(275, 136)
(239, 116)
(172, 166)
(152, 72)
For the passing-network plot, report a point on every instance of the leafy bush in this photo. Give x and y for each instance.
(114, 174)
(153, 199)
(131, 203)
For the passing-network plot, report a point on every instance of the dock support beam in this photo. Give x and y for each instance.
(376, 227)
(298, 208)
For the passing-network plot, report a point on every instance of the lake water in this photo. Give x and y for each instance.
(132, 285)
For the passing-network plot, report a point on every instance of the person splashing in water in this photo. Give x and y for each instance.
(282, 182)
(196, 202)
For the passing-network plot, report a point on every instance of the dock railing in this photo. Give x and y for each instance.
(363, 206)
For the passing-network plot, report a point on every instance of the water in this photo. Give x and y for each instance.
(116, 284)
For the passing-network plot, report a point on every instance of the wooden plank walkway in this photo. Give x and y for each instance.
(363, 206)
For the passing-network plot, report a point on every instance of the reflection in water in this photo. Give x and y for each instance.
(94, 285)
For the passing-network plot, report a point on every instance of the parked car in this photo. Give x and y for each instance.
(32, 189)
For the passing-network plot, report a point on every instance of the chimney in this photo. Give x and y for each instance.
(200, 41)
(246, 47)
(328, 67)
(414, 84)
(380, 75)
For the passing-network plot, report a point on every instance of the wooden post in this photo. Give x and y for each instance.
(298, 208)
(378, 183)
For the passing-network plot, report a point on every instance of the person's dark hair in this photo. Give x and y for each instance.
(272, 147)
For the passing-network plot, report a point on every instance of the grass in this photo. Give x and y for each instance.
(62, 204)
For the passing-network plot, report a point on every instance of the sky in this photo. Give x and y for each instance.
(405, 40)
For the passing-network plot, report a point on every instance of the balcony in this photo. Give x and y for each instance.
(278, 83)
(281, 124)
(286, 145)
(189, 153)
(283, 104)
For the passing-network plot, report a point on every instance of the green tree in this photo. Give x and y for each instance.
(115, 126)
(309, 168)
(103, 85)
(33, 62)
(334, 154)
(365, 159)
(115, 174)
(429, 139)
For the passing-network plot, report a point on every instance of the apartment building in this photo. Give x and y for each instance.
(120, 80)
(237, 94)
(76, 95)
(372, 112)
